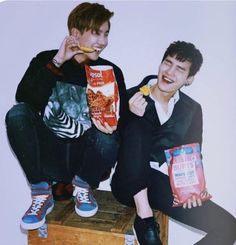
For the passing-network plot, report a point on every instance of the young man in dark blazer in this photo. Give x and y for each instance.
(163, 119)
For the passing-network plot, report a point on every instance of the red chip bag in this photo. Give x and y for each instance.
(102, 94)
(186, 173)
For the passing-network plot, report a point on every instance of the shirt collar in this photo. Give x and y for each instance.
(175, 97)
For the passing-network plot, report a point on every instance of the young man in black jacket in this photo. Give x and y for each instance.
(162, 119)
(51, 129)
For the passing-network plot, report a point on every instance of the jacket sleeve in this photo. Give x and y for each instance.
(36, 85)
(195, 131)
(124, 108)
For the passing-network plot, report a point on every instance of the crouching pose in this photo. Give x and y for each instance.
(162, 119)
(52, 129)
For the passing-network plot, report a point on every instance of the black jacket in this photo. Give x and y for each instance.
(183, 127)
(41, 76)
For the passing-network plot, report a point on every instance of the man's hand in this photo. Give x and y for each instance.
(68, 49)
(191, 202)
(194, 202)
(106, 128)
(137, 104)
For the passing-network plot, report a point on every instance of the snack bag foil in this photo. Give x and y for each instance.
(186, 173)
(102, 94)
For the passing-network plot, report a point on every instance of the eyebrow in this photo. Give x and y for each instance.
(167, 60)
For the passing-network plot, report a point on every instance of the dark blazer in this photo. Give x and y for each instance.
(183, 127)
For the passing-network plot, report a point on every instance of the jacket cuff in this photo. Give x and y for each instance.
(54, 69)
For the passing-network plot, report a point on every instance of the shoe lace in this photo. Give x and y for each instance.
(82, 194)
(37, 202)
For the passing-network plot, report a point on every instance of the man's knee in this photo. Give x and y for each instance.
(108, 146)
(105, 145)
(18, 114)
(102, 140)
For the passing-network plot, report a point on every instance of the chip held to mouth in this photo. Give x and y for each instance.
(87, 49)
(145, 90)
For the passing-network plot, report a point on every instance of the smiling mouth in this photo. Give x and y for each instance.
(167, 80)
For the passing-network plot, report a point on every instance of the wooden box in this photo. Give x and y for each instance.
(112, 225)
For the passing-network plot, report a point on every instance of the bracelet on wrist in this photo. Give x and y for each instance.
(56, 63)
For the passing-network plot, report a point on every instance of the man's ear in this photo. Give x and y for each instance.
(75, 32)
(189, 81)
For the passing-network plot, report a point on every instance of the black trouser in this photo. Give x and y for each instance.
(46, 157)
(133, 173)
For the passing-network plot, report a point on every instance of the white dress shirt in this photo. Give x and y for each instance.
(163, 117)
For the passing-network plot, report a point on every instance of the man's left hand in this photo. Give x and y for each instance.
(106, 128)
(192, 202)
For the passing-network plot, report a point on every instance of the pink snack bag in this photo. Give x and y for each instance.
(186, 173)
(102, 94)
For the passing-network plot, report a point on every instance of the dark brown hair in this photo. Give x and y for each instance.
(88, 16)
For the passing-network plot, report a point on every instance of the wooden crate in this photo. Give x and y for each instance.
(112, 225)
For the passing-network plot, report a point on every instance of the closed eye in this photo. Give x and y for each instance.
(180, 68)
(99, 33)
(167, 62)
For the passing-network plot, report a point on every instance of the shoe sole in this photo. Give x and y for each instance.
(33, 226)
(86, 213)
(135, 235)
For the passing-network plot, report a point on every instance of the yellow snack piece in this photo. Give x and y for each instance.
(145, 90)
(86, 49)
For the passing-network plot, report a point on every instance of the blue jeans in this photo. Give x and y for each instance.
(44, 156)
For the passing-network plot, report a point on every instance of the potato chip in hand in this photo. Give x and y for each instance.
(145, 90)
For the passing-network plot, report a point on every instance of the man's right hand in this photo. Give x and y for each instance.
(68, 49)
(137, 104)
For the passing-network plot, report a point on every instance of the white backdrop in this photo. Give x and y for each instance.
(140, 33)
